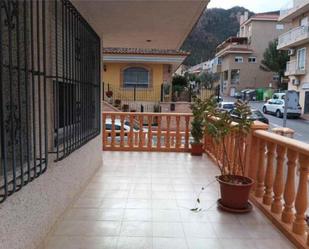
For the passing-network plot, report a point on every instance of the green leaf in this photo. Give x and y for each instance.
(194, 209)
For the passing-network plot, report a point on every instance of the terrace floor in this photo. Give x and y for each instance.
(143, 200)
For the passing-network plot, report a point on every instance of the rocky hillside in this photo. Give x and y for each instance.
(214, 26)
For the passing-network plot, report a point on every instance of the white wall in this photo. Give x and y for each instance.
(27, 216)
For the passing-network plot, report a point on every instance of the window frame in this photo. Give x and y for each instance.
(239, 59)
(298, 58)
(136, 84)
(252, 57)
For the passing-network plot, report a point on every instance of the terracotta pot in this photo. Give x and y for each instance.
(197, 149)
(235, 196)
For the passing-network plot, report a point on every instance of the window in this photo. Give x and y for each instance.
(23, 100)
(301, 59)
(136, 77)
(304, 21)
(235, 76)
(252, 59)
(239, 59)
(76, 81)
(226, 75)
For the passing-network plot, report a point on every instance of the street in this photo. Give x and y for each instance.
(300, 126)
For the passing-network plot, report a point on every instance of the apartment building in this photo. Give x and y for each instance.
(296, 41)
(239, 58)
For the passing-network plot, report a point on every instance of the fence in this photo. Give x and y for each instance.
(168, 132)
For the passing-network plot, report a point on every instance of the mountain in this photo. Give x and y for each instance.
(213, 27)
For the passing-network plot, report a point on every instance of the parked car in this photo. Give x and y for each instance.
(218, 98)
(237, 95)
(278, 96)
(256, 115)
(126, 127)
(276, 106)
(226, 106)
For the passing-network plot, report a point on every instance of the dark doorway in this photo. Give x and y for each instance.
(306, 107)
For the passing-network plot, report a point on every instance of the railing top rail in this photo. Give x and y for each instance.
(147, 114)
(289, 143)
(293, 30)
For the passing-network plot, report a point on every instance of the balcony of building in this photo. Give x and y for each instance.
(233, 45)
(143, 197)
(293, 38)
(293, 9)
(292, 69)
(142, 200)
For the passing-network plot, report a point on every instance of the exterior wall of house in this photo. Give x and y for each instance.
(29, 215)
(251, 76)
(259, 34)
(113, 77)
(303, 80)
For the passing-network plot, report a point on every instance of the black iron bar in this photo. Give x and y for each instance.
(2, 110)
(26, 91)
(19, 97)
(44, 83)
(39, 82)
(33, 90)
(64, 76)
(56, 108)
(11, 107)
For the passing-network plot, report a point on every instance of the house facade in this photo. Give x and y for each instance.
(239, 58)
(50, 92)
(296, 41)
(138, 74)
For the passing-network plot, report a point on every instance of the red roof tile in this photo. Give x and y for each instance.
(145, 51)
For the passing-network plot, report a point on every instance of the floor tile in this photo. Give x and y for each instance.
(112, 214)
(77, 242)
(204, 244)
(143, 201)
(137, 215)
(169, 243)
(88, 228)
(166, 215)
(136, 228)
(168, 229)
(139, 203)
(134, 243)
(199, 230)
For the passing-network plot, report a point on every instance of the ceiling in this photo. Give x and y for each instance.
(142, 24)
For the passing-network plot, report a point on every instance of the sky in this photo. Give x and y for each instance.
(253, 5)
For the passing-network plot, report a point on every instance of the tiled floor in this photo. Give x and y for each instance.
(143, 201)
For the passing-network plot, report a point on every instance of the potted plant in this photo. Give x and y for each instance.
(117, 103)
(109, 95)
(156, 109)
(234, 185)
(125, 107)
(198, 108)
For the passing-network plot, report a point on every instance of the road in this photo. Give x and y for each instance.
(300, 126)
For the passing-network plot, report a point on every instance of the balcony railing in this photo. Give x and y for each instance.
(293, 37)
(293, 69)
(291, 7)
(279, 165)
(124, 131)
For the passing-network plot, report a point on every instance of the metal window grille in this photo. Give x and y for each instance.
(23, 124)
(76, 80)
(49, 60)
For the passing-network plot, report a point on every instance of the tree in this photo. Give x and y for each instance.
(275, 60)
(208, 79)
(179, 83)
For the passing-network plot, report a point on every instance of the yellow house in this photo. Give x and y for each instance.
(135, 74)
